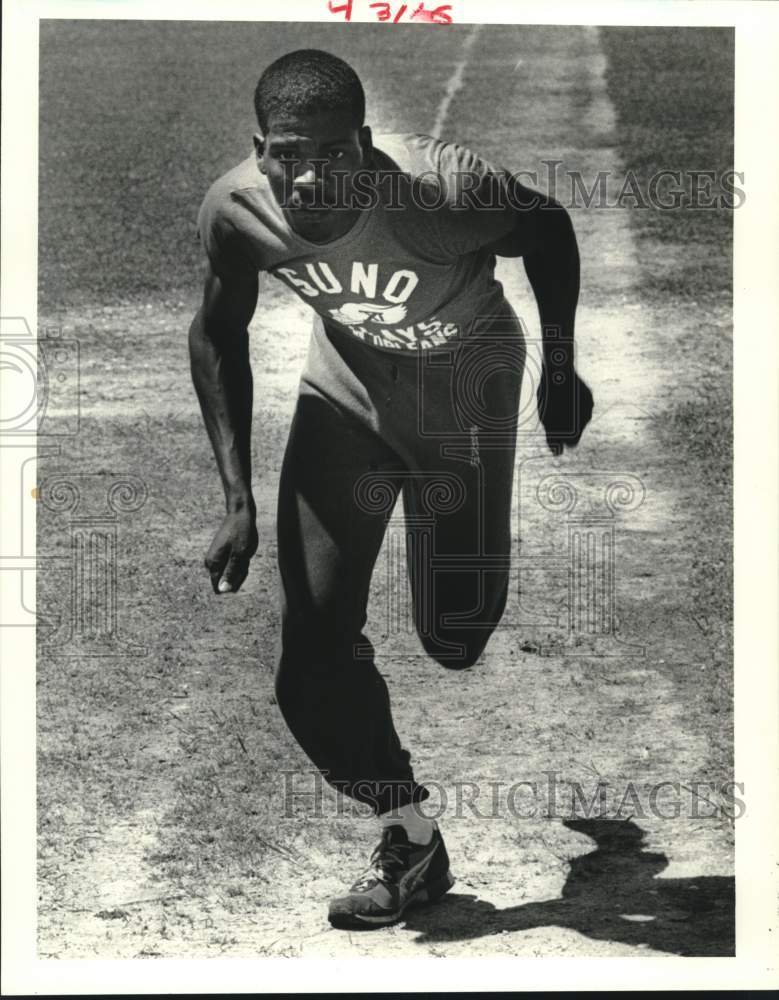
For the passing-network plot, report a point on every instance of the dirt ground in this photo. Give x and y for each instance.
(165, 823)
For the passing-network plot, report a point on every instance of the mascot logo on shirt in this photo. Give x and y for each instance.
(376, 322)
(352, 313)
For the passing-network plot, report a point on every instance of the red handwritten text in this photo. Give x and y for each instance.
(396, 12)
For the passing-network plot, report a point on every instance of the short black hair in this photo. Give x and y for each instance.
(308, 81)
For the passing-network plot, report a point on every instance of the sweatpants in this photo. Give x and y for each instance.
(438, 427)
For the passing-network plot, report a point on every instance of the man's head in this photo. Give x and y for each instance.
(308, 82)
(310, 108)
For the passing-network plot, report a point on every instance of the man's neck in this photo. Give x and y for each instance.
(342, 222)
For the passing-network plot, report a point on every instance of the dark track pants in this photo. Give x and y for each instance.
(370, 424)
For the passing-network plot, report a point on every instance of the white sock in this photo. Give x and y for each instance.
(418, 827)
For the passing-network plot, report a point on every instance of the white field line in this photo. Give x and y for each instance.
(609, 257)
(454, 83)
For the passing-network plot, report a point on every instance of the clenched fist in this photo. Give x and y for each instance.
(233, 546)
(565, 410)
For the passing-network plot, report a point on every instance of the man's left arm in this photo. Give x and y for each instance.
(543, 236)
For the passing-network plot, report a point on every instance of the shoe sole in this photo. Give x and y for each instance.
(425, 894)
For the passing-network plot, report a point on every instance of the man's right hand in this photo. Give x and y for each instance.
(222, 376)
(233, 546)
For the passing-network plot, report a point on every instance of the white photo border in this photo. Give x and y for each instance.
(756, 499)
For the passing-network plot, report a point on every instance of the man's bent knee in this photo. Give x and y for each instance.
(458, 651)
(460, 647)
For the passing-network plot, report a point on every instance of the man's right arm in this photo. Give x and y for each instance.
(221, 373)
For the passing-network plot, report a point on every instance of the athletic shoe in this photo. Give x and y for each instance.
(401, 874)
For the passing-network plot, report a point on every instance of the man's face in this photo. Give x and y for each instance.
(310, 162)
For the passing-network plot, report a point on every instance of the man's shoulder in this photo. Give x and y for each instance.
(221, 198)
(459, 200)
(238, 217)
(418, 154)
(411, 153)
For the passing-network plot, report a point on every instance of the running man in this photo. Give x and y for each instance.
(411, 386)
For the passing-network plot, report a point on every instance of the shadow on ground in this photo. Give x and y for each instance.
(611, 894)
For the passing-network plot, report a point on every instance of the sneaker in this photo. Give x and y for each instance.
(401, 874)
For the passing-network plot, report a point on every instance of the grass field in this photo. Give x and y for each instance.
(673, 93)
(162, 822)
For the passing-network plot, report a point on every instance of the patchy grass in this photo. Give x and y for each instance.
(673, 92)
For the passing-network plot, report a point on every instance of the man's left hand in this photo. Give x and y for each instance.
(565, 410)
